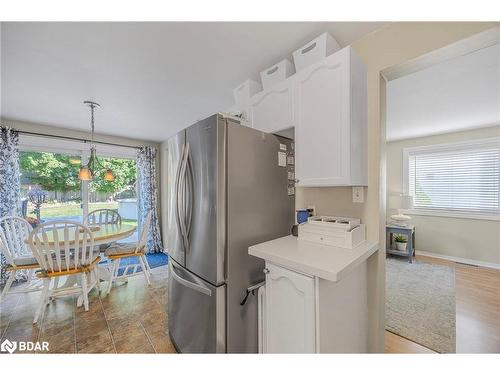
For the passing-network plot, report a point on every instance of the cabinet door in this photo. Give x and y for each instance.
(322, 122)
(289, 316)
(271, 110)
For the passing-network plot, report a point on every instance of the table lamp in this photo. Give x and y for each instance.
(401, 202)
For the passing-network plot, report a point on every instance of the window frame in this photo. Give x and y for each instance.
(444, 147)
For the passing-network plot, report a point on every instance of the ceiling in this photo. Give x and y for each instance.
(151, 79)
(459, 94)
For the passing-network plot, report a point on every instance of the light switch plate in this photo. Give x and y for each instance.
(358, 195)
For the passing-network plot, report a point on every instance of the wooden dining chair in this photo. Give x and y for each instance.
(64, 248)
(118, 251)
(14, 231)
(103, 216)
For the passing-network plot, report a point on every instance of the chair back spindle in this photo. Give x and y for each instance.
(104, 216)
(62, 246)
(14, 231)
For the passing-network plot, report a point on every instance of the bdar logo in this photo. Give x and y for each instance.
(8, 346)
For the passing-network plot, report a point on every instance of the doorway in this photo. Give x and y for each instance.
(442, 193)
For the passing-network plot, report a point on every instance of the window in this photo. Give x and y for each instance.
(52, 165)
(457, 179)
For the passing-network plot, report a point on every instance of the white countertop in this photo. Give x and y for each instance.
(326, 262)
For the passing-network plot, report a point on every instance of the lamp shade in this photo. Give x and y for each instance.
(406, 202)
(401, 201)
(108, 175)
(84, 174)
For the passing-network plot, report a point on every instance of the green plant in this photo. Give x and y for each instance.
(400, 238)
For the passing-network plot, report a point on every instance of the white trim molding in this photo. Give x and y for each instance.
(472, 262)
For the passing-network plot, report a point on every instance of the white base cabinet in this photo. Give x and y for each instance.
(307, 314)
(290, 312)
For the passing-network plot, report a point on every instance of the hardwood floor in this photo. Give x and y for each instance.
(131, 319)
(478, 312)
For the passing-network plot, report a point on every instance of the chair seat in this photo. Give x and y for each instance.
(25, 261)
(122, 249)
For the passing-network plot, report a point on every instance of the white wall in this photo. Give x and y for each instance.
(472, 239)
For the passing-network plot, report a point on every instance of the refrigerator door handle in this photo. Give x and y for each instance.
(182, 202)
(190, 179)
(177, 194)
(189, 284)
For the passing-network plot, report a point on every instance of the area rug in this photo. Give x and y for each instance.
(154, 260)
(420, 303)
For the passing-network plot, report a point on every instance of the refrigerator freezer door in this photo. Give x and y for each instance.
(196, 312)
(205, 196)
(259, 209)
(174, 241)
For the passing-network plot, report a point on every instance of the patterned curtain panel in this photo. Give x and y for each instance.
(147, 191)
(9, 179)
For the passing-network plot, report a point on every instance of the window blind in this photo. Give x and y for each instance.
(461, 180)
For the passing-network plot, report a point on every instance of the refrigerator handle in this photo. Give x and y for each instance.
(182, 202)
(177, 194)
(189, 284)
(190, 202)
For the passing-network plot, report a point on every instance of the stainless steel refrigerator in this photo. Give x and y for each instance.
(229, 187)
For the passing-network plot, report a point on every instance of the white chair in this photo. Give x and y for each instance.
(64, 248)
(14, 232)
(103, 216)
(118, 251)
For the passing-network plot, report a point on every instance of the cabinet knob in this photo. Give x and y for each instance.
(265, 270)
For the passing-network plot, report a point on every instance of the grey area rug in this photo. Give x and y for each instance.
(420, 303)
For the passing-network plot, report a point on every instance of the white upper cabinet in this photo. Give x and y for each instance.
(326, 104)
(272, 110)
(330, 122)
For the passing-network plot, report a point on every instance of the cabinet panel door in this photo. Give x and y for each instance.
(271, 110)
(289, 312)
(322, 123)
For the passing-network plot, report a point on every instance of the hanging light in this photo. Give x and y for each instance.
(108, 175)
(88, 171)
(84, 174)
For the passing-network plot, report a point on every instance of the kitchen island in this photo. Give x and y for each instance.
(315, 297)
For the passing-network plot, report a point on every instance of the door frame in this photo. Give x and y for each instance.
(462, 47)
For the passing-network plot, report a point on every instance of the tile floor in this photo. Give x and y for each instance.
(131, 319)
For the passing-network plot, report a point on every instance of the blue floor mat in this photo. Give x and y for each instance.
(154, 260)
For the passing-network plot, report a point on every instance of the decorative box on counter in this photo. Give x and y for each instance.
(333, 230)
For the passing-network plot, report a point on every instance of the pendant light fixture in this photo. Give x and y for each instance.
(88, 171)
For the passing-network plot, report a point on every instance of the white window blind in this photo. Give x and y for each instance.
(462, 177)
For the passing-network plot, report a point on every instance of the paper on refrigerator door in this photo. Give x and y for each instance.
(282, 159)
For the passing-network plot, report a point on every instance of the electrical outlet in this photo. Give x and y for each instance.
(358, 195)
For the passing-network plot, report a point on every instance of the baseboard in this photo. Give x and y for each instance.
(459, 260)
